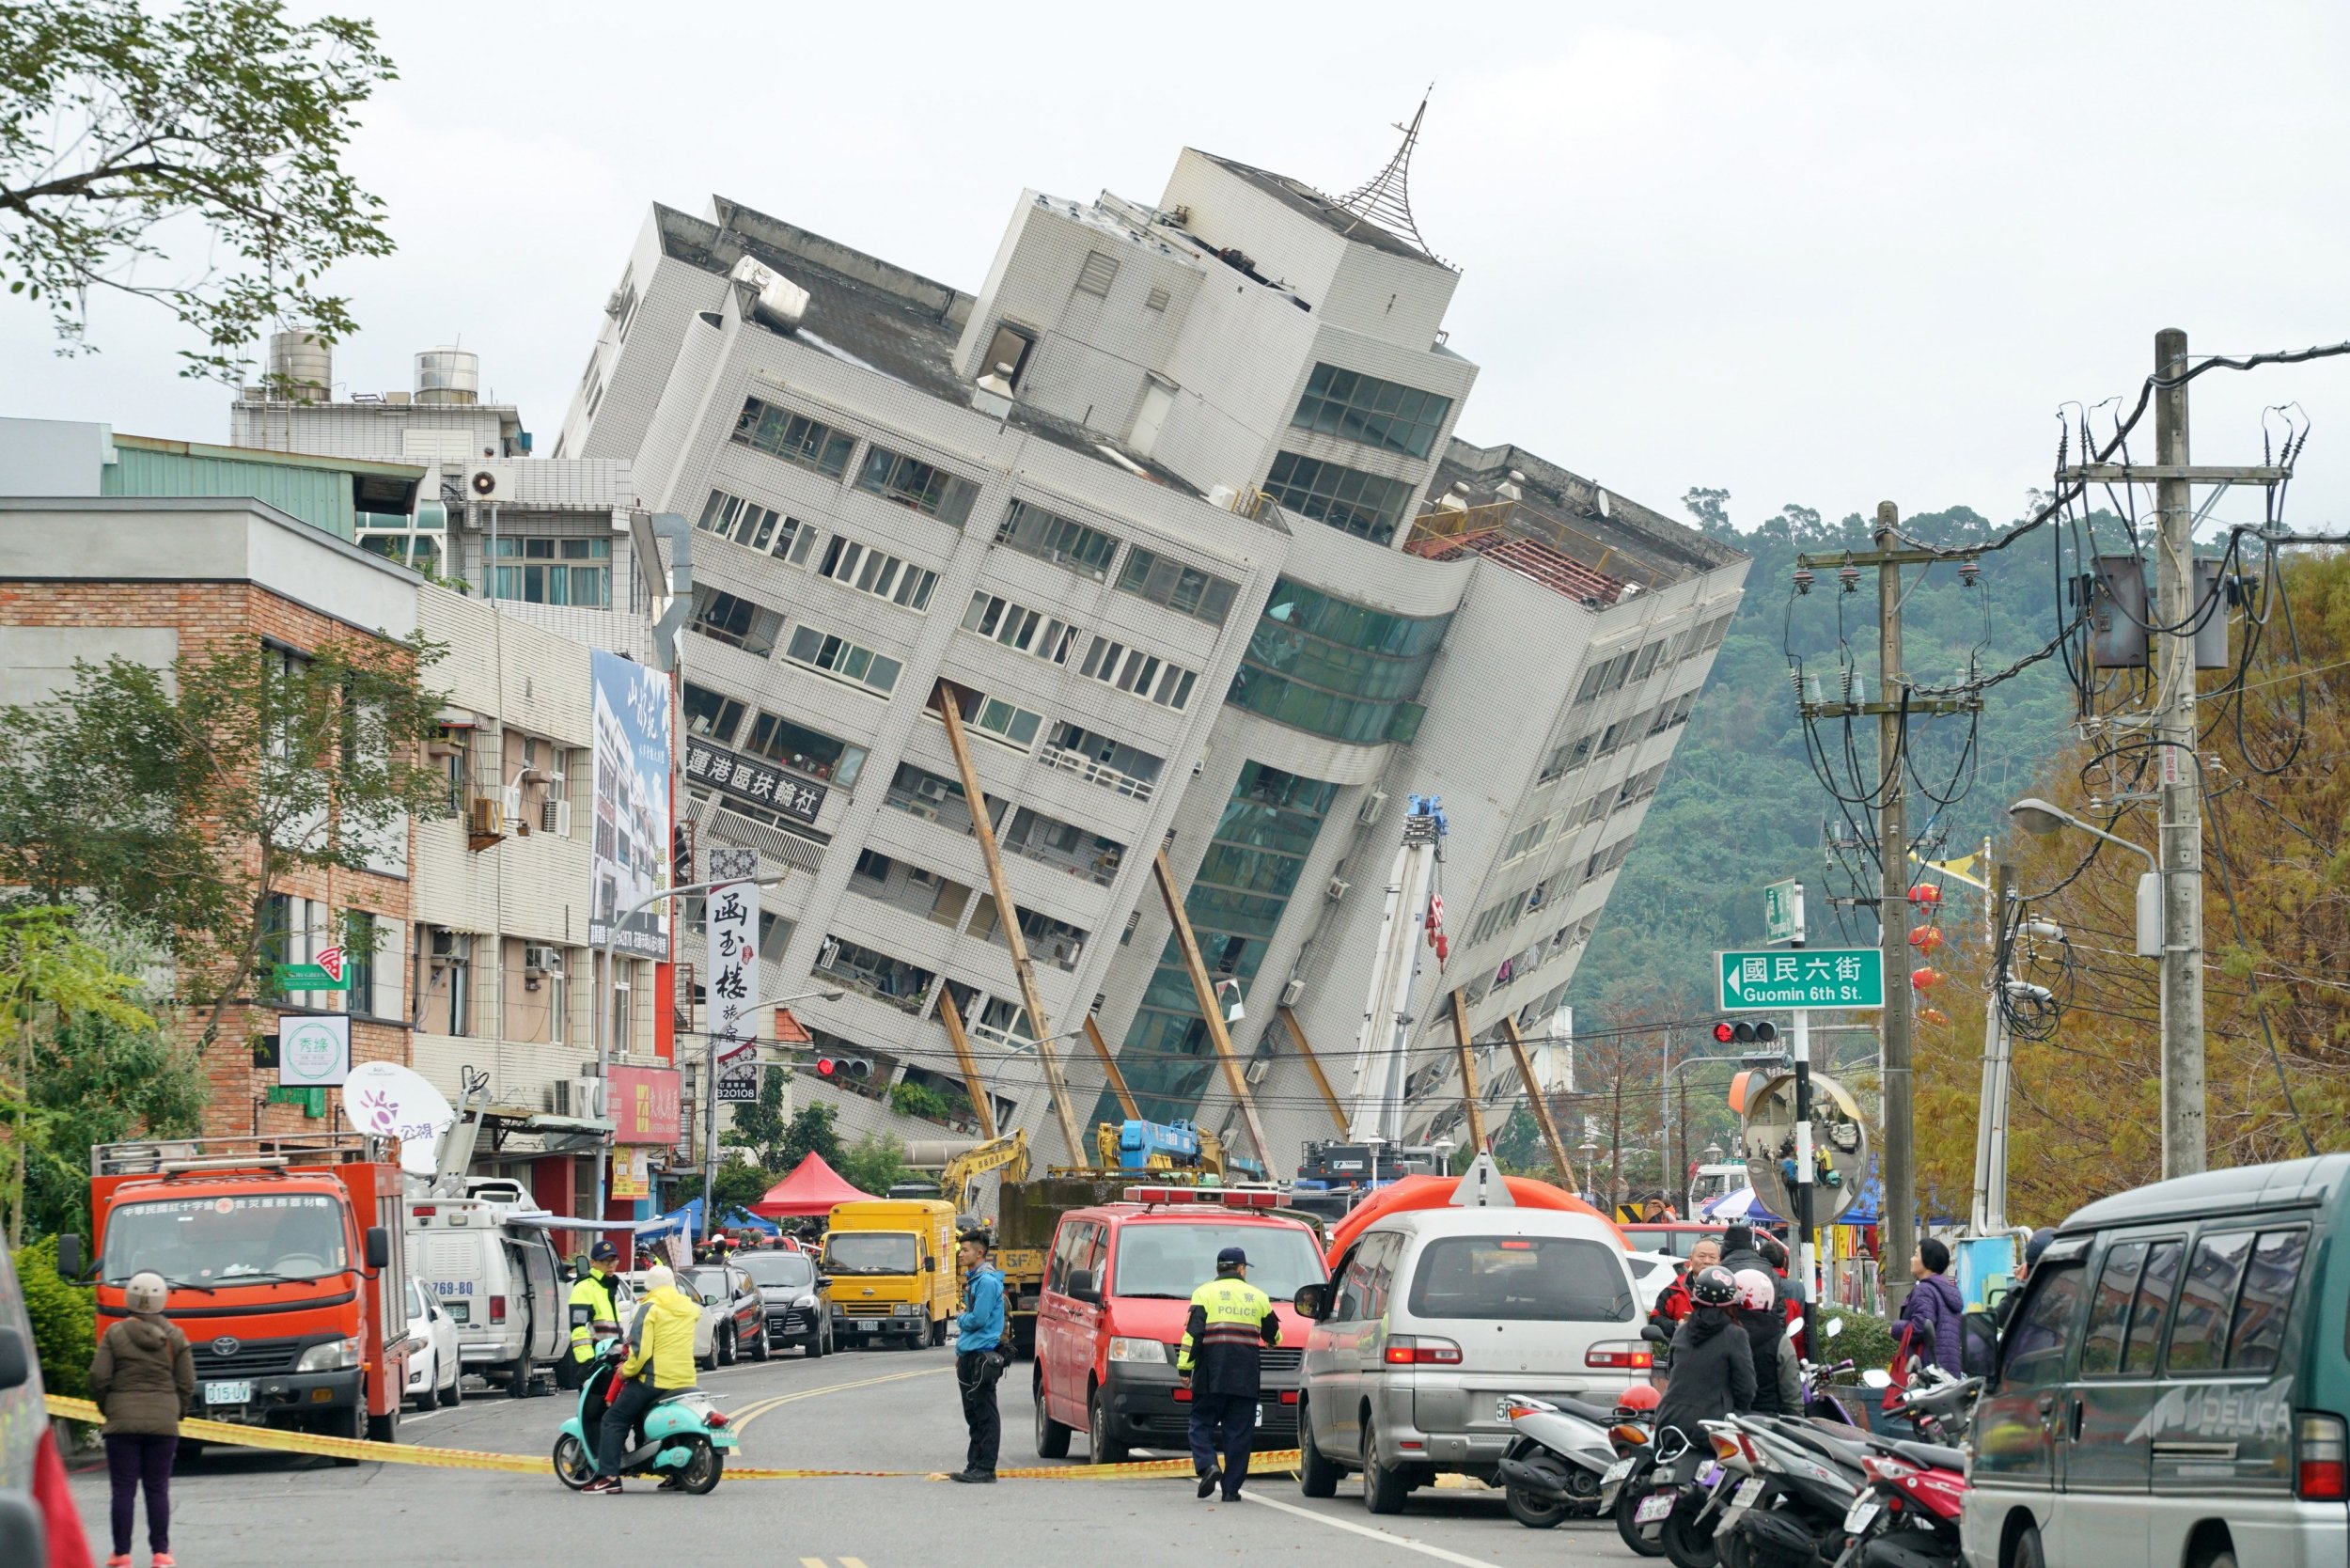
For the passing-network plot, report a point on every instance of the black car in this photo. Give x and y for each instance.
(798, 1299)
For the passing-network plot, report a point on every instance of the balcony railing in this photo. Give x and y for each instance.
(1096, 772)
(882, 988)
(1098, 867)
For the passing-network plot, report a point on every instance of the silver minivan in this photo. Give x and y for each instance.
(1434, 1318)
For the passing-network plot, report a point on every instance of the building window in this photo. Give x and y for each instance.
(371, 962)
(843, 660)
(1031, 632)
(1364, 505)
(1145, 674)
(757, 528)
(869, 571)
(1526, 838)
(1382, 414)
(1164, 581)
(750, 626)
(994, 718)
(1097, 275)
(712, 714)
(1034, 532)
(1335, 667)
(911, 483)
(629, 300)
(794, 437)
(806, 751)
(574, 572)
(1099, 759)
(444, 981)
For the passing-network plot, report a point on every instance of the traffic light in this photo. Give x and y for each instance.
(843, 1068)
(1746, 1031)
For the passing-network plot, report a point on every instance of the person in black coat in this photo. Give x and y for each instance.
(1713, 1362)
(1766, 1324)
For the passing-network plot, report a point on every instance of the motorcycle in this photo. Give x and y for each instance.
(1563, 1451)
(1909, 1516)
(683, 1436)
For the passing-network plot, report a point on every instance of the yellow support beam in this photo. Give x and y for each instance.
(1540, 1102)
(1468, 1073)
(1313, 1065)
(1109, 1065)
(983, 1102)
(1008, 918)
(1203, 990)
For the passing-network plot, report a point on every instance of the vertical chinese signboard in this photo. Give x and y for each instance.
(733, 923)
(631, 856)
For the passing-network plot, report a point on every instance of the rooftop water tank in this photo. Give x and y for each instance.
(449, 376)
(300, 366)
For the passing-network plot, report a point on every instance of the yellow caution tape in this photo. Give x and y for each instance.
(284, 1441)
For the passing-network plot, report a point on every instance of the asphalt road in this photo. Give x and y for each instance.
(870, 1410)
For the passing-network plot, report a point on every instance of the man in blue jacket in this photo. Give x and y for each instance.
(979, 1356)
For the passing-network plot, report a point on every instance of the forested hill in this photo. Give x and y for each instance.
(1741, 805)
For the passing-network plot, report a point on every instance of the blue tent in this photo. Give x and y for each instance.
(689, 1220)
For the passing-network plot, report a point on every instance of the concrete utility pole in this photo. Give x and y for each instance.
(1901, 1222)
(1989, 1216)
(2181, 837)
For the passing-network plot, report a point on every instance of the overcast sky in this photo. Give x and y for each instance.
(1858, 253)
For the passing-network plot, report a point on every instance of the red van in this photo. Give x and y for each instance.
(1118, 1287)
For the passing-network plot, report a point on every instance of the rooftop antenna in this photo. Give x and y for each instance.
(1386, 201)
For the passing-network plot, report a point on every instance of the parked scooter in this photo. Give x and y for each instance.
(1910, 1515)
(1563, 1451)
(683, 1435)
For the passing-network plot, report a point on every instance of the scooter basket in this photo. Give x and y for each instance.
(1776, 1539)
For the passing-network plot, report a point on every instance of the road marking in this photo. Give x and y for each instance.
(757, 1408)
(1404, 1541)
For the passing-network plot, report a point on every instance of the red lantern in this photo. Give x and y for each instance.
(1933, 1015)
(1925, 893)
(1926, 938)
(1925, 980)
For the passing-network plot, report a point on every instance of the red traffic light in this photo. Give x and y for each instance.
(826, 1067)
(1724, 1034)
(843, 1067)
(1746, 1031)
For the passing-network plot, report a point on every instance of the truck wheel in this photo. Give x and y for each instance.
(383, 1428)
(518, 1376)
(1101, 1447)
(350, 1423)
(938, 1333)
(1051, 1438)
(1317, 1474)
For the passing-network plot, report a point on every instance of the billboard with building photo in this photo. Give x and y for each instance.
(632, 803)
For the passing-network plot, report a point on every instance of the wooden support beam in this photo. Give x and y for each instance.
(1468, 1073)
(1541, 1103)
(981, 1102)
(1008, 918)
(1109, 1065)
(1203, 990)
(1313, 1065)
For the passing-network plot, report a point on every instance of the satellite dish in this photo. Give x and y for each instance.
(392, 1101)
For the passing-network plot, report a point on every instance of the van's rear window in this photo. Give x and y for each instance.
(1527, 1279)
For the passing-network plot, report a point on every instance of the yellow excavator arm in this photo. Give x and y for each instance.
(1009, 1155)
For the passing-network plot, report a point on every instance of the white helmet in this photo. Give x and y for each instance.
(145, 1292)
(1755, 1291)
(659, 1278)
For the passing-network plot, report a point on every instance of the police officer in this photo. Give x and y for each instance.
(595, 1292)
(979, 1357)
(1230, 1322)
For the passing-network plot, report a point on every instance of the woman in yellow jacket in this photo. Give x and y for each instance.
(660, 1362)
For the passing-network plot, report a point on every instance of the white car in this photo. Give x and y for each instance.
(436, 1370)
(705, 1326)
(1651, 1272)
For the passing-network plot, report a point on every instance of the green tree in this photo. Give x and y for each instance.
(874, 1164)
(908, 1098)
(176, 801)
(64, 1317)
(136, 139)
(739, 1184)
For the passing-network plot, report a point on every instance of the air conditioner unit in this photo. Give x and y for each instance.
(1338, 889)
(491, 481)
(576, 1097)
(1373, 805)
(484, 819)
(931, 789)
(555, 816)
(1293, 993)
(538, 960)
(1258, 1068)
(510, 802)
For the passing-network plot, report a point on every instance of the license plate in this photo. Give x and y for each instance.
(1857, 1518)
(1501, 1410)
(1740, 1501)
(459, 1311)
(1652, 1508)
(1616, 1472)
(866, 1327)
(228, 1393)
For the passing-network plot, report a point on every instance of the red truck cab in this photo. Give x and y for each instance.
(1118, 1285)
(284, 1262)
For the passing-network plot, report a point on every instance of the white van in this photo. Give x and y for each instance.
(1435, 1317)
(497, 1282)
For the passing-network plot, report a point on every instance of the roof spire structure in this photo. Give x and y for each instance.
(1386, 201)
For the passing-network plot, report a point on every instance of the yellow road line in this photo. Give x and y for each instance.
(743, 1419)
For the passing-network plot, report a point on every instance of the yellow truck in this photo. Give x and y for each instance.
(891, 1261)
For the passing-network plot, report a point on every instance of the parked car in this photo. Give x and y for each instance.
(743, 1316)
(1676, 1236)
(24, 1427)
(436, 1370)
(796, 1298)
(1434, 1318)
(499, 1284)
(1651, 1272)
(1116, 1289)
(705, 1327)
(2173, 1384)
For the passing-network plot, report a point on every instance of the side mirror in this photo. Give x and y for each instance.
(1081, 1285)
(379, 1246)
(1979, 1343)
(929, 1265)
(1877, 1377)
(1835, 1326)
(1311, 1301)
(69, 1256)
(823, 1282)
(16, 1366)
(1654, 1334)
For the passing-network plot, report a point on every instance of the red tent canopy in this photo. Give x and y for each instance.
(1435, 1192)
(811, 1189)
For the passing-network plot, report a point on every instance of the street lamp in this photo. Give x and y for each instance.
(1589, 1152)
(611, 937)
(710, 1094)
(2043, 820)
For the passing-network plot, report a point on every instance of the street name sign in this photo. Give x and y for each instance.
(1770, 981)
(1781, 919)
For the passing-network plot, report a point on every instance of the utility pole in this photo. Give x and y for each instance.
(2180, 840)
(1900, 1225)
(1989, 1216)
(1615, 1142)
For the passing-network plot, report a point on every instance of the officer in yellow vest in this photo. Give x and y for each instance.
(594, 1299)
(1230, 1322)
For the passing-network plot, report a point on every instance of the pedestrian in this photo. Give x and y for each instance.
(2033, 1248)
(1935, 1311)
(1230, 1324)
(1672, 1302)
(1765, 1328)
(142, 1377)
(979, 1358)
(595, 1298)
(660, 1362)
(1713, 1361)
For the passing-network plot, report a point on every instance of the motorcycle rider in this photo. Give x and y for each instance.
(660, 1362)
(1713, 1361)
(596, 1290)
(1765, 1329)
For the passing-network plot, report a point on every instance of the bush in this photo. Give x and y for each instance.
(1866, 1342)
(908, 1098)
(64, 1315)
